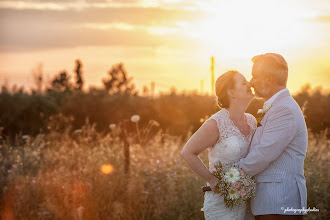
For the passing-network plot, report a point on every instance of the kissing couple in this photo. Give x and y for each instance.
(271, 149)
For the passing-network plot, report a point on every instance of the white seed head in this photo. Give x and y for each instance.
(112, 126)
(135, 118)
(77, 131)
(24, 137)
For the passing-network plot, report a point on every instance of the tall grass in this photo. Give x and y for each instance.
(316, 166)
(59, 176)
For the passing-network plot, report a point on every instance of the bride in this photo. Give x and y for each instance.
(226, 135)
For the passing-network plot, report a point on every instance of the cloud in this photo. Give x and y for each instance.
(31, 29)
(66, 5)
(53, 37)
(145, 16)
(325, 19)
(32, 36)
(87, 4)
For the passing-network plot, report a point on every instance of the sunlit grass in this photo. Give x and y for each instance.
(81, 175)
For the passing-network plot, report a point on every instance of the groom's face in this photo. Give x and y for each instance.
(259, 81)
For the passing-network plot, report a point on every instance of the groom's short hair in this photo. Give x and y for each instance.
(275, 65)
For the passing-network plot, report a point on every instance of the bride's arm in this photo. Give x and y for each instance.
(206, 136)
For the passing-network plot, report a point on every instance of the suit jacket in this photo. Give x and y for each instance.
(276, 159)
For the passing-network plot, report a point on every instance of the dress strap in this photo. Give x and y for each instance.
(251, 120)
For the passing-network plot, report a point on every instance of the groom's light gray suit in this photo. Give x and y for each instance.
(276, 159)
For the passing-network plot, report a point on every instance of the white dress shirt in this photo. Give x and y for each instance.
(272, 99)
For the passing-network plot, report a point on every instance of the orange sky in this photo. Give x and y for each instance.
(166, 41)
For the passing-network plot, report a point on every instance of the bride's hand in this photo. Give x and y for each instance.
(213, 182)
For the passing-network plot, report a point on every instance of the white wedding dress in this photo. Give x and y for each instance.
(231, 146)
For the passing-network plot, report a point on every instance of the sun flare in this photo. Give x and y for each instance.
(107, 168)
(250, 27)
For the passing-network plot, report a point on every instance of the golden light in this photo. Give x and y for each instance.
(171, 1)
(239, 29)
(107, 168)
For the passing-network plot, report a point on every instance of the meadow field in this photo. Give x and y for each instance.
(73, 154)
(81, 174)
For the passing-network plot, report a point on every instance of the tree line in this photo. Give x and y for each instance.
(177, 113)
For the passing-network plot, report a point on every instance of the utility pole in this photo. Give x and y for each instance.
(152, 87)
(212, 75)
(202, 86)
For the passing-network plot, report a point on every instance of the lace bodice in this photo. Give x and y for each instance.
(232, 145)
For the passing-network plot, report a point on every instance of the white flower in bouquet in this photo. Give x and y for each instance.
(233, 194)
(135, 118)
(232, 175)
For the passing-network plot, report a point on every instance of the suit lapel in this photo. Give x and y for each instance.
(281, 96)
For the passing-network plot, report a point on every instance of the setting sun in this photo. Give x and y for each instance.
(251, 27)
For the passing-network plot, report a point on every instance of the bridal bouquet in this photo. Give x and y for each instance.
(234, 185)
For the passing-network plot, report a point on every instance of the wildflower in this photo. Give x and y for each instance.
(80, 212)
(24, 137)
(246, 183)
(112, 126)
(241, 171)
(77, 131)
(233, 194)
(41, 135)
(242, 192)
(235, 185)
(232, 175)
(135, 118)
(154, 123)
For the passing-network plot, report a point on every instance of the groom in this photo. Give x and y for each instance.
(278, 148)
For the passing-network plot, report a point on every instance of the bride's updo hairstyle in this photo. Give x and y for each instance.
(224, 83)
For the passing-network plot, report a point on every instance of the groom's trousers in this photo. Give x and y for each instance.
(278, 217)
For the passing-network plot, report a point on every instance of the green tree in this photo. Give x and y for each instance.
(118, 82)
(79, 78)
